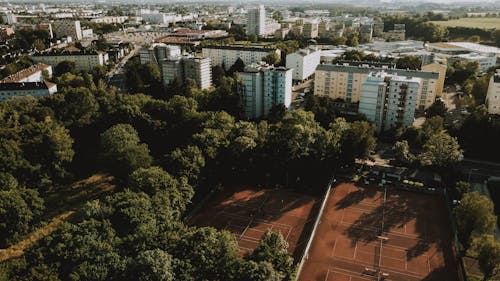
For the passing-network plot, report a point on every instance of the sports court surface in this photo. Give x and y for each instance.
(381, 234)
(248, 213)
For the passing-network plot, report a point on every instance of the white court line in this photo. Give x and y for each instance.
(355, 249)
(350, 273)
(334, 246)
(288, 234)
(386, 268)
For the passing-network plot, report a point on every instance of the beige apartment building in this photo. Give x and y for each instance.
(439, 68)
(345, 82)
(493, 95)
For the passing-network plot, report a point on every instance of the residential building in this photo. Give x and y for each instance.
(87, 33)
(281, 33)
(365, 33)
(157, 52)
(493, 94)
(389, 101)
(227, 55)
(187, 67)
(439, 68)
(256, 21)
(84, 60)
(68, 28)
(344, 81)
(311, 30)
(265, 86)
(34, 73)
(199, 70)
(485, 61)
(303, 62)
(35, 89)
(117, 19)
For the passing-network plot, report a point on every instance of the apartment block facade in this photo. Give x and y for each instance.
(65, 28)
(263, 87)
(389, 101)
(84, 61)
(227, 55)
(303, 62)
(345, 82)
(187, 67)
(256, 21)
(493, 94)
(19, 89)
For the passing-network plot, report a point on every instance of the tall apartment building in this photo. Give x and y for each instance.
(35, 89)
(158, 52)
(116, 19)
(311, 30)
(493, 95)
(256, 21)
(65, 28)
(227, 55)
(303, 62)
(263, 87)
(345, 82)
(439, 68)
(34, 73)
(187, 67)
(389, 101)
(365, 33)
(84, 60)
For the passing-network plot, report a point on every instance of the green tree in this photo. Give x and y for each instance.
(487, 251)
(272, 58)
(153, 265)
(441, 150)
(409, 62)
(438, 108)
(463, 187)
(64, 67)
(402, 152)
(474, 216)
(20, 209)
(253, 271)
(272, 248)
(186, 162)
(123, 150)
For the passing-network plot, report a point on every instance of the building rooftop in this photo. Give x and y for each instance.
(16, 77)
(25, 86)
(368, 69)
(243, 48)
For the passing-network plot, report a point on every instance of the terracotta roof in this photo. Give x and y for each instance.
(22, 74)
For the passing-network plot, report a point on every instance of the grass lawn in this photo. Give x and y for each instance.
(486, 23)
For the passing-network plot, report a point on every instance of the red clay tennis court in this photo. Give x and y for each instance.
(381, 234)
(248, 213)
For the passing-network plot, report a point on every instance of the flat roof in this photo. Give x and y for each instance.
(25, 86)
(243, 48)
(365, 69)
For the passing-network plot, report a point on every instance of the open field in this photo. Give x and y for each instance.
(381, 234)
(486, 23)
(248, 213)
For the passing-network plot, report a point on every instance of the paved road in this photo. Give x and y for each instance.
(116, 77)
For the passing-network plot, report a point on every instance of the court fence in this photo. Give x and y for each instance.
(305, 254)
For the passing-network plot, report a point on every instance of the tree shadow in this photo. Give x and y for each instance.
(355, 197)
(369, 225)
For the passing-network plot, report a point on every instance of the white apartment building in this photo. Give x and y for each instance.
(117, 19)
(35, 89)
(389, 101)
(265, 86)
(256, 21)
(493, 95)
(158, 52)
(34, 73)
(344, 81)
(187, 67)
(485, 61)
(311, 29)
(227, 55)
(303, 62)
(65, 28)
(84, 61)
